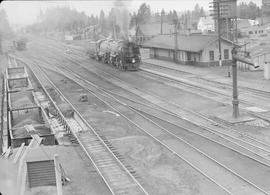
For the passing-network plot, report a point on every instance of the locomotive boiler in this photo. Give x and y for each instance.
(122, 54)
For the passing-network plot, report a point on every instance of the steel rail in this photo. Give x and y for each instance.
(190, 111)
(198, 150)
(200, 115)
(244, 100)
(63, 118)
(246, 135)
(166, 146)
(264, 93)
(228, 169)
(227, 135)
(223, 136)
(101, 140)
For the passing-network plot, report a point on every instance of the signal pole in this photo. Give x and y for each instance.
(244, 59)
(1, 50)
(219, 32)
(161, 21)
(175, 22)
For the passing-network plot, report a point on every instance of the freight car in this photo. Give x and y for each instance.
(24, 109)
(122, 54)
(20, 44)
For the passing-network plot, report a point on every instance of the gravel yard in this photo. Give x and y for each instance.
(159, 171)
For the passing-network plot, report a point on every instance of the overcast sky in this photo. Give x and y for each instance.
(25, 12)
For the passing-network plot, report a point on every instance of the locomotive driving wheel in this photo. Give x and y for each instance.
(121, 65)
(118, 63)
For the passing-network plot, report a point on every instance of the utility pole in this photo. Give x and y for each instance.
(175, 22)
(1, 50)
(235, 58)
(161, 21)
(235, 101)
(219, 32)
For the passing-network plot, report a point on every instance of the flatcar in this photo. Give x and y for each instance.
(123, 54)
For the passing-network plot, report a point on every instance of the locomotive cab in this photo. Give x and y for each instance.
(131, 56)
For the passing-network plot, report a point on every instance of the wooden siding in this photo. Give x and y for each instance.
(41, 173)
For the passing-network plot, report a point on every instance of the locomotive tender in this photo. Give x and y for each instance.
(122, 54)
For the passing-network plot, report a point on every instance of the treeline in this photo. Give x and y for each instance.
(248, 11)
(66, 19)
(62, 19)
(5, 29)
(144, 15)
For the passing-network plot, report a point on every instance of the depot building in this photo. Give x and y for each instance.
(194, 49)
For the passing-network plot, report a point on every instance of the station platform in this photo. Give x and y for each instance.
(251, 79)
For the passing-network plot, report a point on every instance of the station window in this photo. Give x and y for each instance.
(226, 54)
(211, 55)
(188, 56)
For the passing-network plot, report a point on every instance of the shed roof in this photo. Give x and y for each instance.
(193, 43)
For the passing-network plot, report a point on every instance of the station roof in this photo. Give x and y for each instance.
(152, 29)
(192, 43)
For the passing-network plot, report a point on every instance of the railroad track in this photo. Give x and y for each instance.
(245, 103)
(243, 89)
(12, 63)
(121, 113)
(246, 136)
(190, 165)
(245, 139)
(118, 178)
(266, 94)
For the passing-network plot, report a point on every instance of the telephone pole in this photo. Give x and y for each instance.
(175, 22)
(1, 50)
(219, 32)
(161, 21)
(244, 59)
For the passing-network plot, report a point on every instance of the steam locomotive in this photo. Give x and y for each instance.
(122, 54)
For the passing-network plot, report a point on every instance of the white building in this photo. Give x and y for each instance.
(206, 24)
